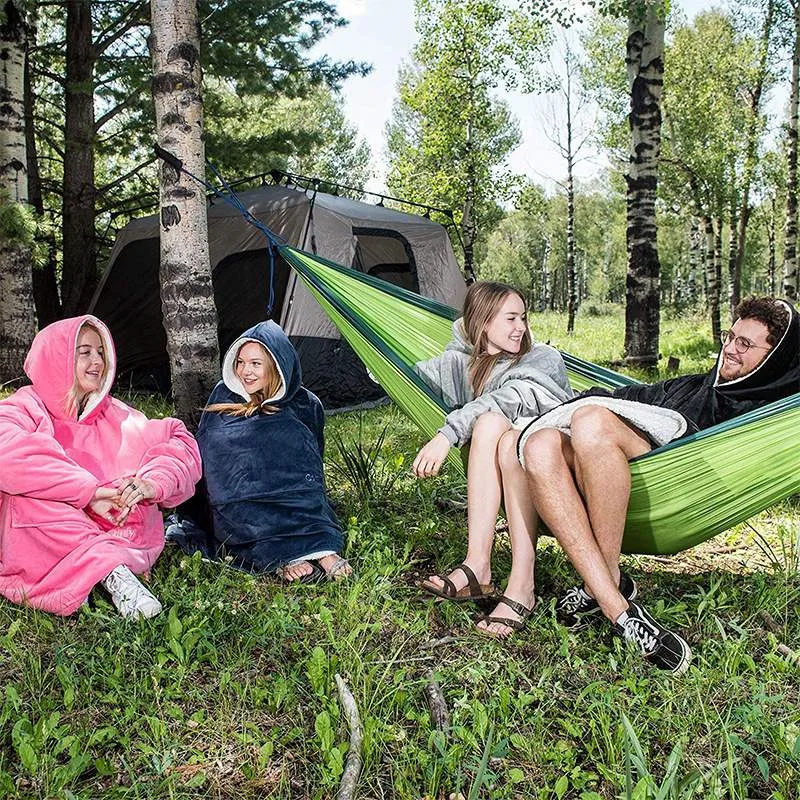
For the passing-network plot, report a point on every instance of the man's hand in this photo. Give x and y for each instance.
(429, 460)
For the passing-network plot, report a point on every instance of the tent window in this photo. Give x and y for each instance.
(386, 254)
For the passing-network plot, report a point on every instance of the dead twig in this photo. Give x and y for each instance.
(353, 762)
(769, 622)
(437, 704)
(437, 642)
(788, 653)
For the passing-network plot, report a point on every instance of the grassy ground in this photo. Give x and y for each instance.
(231, 693)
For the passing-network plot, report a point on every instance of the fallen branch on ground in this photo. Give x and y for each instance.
(437, 704)
(353, 763)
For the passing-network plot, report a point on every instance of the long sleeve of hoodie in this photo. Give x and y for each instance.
(524, 392)
(34, 463)
(535, 384)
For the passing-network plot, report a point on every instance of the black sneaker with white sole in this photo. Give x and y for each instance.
(660, 646)
(576, 608)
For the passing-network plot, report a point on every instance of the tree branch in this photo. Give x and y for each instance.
(134, 21)
(122, 178)
(352, 766)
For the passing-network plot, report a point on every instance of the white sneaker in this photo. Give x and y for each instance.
(130, 597)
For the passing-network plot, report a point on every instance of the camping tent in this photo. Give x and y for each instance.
(407, 250)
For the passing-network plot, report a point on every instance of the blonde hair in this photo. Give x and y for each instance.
(75, 402)
(481, 305)
(272, 384)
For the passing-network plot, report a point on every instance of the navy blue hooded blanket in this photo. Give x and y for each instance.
(264, 472)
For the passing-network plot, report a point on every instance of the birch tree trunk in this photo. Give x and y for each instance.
(645, 64)
(544, 301)
(716, 326)
(695, 256)
(572, 300)
(772, 235)
(79, 185)
(190, 316)
(17, 321)
(790, 238)
(468, 231)
(734, 265)
(750, 159)
(711, 273)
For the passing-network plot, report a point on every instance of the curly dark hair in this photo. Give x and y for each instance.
(767, 310)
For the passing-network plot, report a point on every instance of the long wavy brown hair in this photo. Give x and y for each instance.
(256, 402)
(482, 303)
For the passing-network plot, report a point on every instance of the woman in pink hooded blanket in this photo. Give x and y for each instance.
(83, 475)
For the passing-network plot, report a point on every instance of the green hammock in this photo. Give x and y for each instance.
(682, 493)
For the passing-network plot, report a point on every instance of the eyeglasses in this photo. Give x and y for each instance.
(741, 343)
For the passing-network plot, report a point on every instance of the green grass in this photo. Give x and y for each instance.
(230, 693)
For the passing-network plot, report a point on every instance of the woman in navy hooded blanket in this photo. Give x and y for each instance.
(261, 440)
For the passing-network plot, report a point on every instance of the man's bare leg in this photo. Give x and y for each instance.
(549, 464)
(522, 527)
(602, 445)
(484, 492)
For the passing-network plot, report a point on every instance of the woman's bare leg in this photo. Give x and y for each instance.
(522, 527)
(484, 492)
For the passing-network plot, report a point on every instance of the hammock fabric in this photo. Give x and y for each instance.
(681, 494)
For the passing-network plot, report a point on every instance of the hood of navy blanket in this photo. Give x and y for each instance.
(264, 473)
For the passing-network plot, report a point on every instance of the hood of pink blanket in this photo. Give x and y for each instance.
(50, 365)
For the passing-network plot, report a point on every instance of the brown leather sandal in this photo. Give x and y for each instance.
(515, 624)
(472, 591)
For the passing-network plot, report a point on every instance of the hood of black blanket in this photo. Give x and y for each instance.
(777, 376)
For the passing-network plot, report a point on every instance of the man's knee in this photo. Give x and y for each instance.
(542, 452)
(595, 426)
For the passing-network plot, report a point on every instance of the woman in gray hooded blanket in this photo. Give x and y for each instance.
(491, 374)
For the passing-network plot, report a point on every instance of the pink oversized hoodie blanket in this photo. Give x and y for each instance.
(52, 549)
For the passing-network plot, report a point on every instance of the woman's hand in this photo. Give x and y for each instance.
(105, 504)
(133, 491)
(429, 460)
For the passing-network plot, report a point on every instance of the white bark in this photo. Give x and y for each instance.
(13, 170)
(190, 317)
(790, 238)
(17, 317)
(645, 66)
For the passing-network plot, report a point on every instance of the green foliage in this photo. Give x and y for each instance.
(260, 51)
(532, 240)
(17, 221)
(307, 135)
(450, 135)
(360, 464)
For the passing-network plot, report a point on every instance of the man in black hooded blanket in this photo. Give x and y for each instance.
(576, 459)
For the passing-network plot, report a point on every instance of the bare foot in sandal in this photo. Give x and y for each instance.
(508, 616)
(296, 572)
(463, 583)
(336, 568)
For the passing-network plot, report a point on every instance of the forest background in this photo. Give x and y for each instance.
(719, 219)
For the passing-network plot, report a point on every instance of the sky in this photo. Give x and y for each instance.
(381, 32)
